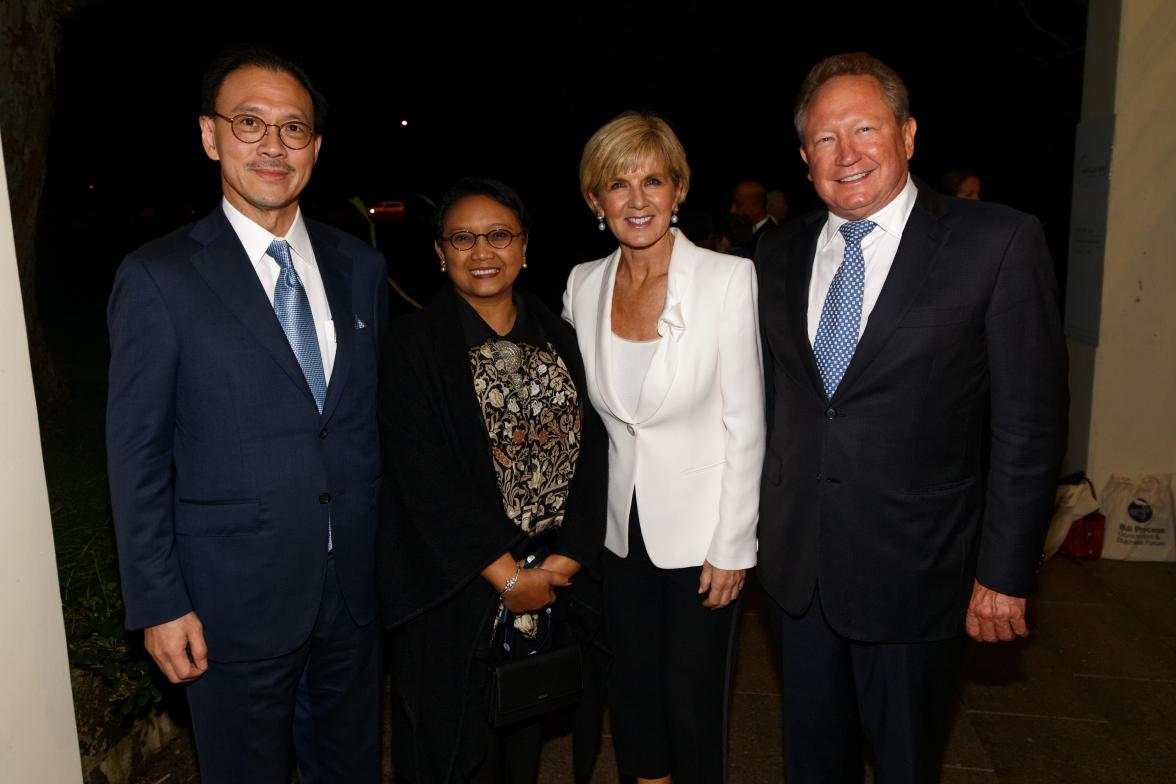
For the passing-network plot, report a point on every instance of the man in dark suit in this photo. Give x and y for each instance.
(917, 409)
(749, 203)
(243, 450)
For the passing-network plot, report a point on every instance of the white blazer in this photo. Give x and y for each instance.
(693, 450)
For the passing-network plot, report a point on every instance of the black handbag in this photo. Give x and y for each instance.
(533, 683)
(531, 686)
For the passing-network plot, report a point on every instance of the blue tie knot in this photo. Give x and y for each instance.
(279, 250)
(855, 231)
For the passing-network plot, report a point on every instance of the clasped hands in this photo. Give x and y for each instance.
(534, 588)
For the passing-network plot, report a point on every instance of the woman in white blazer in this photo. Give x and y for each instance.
(668, 332)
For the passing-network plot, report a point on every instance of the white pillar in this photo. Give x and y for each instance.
(38, 735)
(1127, 384)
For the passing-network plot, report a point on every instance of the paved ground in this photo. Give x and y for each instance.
(1090, 697)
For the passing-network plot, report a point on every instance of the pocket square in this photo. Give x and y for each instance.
(359, 323)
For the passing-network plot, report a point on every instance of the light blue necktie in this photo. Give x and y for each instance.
(837, 331)
(293, 311)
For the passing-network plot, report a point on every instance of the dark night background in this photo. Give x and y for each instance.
(511, 91)
(514, 90)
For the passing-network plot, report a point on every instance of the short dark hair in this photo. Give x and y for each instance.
(238, 56)
(853, 64)
(480, 186)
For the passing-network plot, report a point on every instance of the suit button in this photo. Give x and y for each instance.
(324, 498)
(632, 430)
(830, 412)
(322, 434)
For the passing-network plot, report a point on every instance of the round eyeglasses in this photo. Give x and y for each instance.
(251, 129)
(496, 238)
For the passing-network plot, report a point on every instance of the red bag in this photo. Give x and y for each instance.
(1085, 540)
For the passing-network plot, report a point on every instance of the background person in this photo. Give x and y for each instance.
(777, 205)
(492, 452)
(749, 204)
(671, 354)
(960, 183)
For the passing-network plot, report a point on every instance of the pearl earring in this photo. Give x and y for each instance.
(674, 216)
(524, 262)
(442, 263)
(600, 223)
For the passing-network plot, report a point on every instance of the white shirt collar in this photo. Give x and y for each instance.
(256, 240)
(891, 219)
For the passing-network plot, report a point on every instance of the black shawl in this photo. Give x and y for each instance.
(442, 523)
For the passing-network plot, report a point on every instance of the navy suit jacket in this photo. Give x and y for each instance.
(936, 459)
(223, 473)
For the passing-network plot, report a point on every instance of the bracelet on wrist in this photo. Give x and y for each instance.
(514, 578)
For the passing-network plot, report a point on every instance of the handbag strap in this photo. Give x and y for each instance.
(506, 622)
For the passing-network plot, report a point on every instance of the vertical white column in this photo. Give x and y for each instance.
(1132, 426)
(38, 735)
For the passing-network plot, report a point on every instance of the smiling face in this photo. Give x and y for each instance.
(856, 151)
(262, 180)
(483, 274)
(637, 205)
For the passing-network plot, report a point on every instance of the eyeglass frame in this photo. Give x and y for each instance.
(233, 129)
(486, 235)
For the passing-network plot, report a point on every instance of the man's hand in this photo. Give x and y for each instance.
(994, 616)
(723, 585)
(178, 648)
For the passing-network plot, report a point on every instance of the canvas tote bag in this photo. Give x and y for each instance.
(1139, 518)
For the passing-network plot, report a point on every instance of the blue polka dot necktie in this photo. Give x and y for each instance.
(837, 331)
(293, 311)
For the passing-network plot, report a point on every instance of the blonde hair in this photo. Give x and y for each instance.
(626, 141)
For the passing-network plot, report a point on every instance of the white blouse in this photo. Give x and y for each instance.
(631, 360)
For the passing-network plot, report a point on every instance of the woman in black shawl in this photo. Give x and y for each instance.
(491, 452)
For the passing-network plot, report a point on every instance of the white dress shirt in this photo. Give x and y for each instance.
(878, 248)
(256, 242)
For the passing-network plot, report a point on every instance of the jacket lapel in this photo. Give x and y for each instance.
(226, 269)
(671, 325)
(796, 293)
(335, 271)
(922, 238)
(604, 342)
(465, 417)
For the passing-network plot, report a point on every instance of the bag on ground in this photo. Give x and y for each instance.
(1139, 518)
(1075, 503)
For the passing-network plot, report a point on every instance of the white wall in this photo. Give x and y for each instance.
(1133, 391)
(38, 737)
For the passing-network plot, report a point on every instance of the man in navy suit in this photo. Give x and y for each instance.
(916, 387)
(243, 450)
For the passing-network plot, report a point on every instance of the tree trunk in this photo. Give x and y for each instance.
(29, 34)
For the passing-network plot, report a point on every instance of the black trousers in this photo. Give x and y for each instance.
(840, 694)
(321, 701)
(669, 687)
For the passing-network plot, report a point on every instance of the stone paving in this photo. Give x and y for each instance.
(1088, 698)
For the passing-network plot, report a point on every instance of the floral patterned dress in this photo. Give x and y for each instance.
(532, 414)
